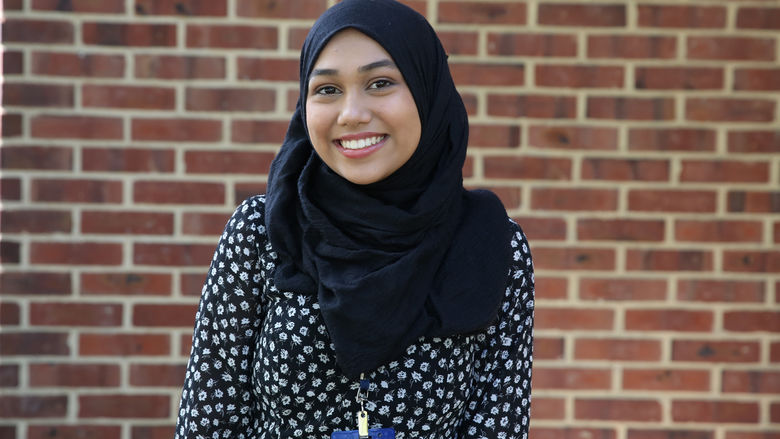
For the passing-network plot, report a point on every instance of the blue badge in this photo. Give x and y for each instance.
(373, 433)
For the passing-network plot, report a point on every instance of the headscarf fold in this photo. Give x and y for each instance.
(411, 255)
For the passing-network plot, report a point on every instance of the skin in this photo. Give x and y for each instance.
(357, 92)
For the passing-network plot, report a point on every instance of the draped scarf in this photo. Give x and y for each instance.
(412, 255)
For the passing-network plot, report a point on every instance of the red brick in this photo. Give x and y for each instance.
(550, 408)
(258, 131)
(729, 110)
(546, 348)
(10, 315)
(33, 406)
(25, 94)
(758, 18)
(574, 258)
(268, 69)
(178, 192)
(621, 289)
(124, 406)
(574, 318)
(724, 171)
(531, 44)
(752, 434)
(129, 34)
(774, 413)
(751, 261)
(506, 74)
(126, 284)
(157, 375)
(572, 14)
(31, 283)
(153, 432)
(11, 125)
(671, 139)
(80, 6)
(232, 36)
(17, 30)
(124, 344)
(731, 48)
(33, 343)
(638, 410)
(632, 46)
(511, 197)
(757, 79)
(76, 253)
(620, 108)
(74, 375)
(76, 127)
(36, 157)
(230, 99)
(533, 106)
(187, 8)
(660, 200)
(35, 221)
(572, 137)
(74, 431)
(625, 169)
(115, 96)
(179, 67)
(617, 349)
(752, 381)
(667, 16)
(753, 201)
(752, 321)
(669, 260)
(177, 130)
(569, 433)
(730, 291)
(668, 320)
(172, 254)
(579, 76)
(10, 189)
(573, 199)
(718, 231)
(191, 284)
(297, 9)
(158, 315)
(527, 168)
(678, 78)
(551, 287)
(228, 162)
(716, 351)
(459, 43)
(715, 411)
(78, 65)
(295, 38)
(185, 345)
(572, 378)
(481, 12)
(13, 63)
(244, 190)
(200, 223)
(666, 380)
(10, 252)
(9, 377)
(77, 191)
(13, 5)
(543, 227)
(128, 159)
(670, 434)
(620, 230)
(127, 223)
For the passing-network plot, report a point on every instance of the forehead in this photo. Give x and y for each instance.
(350, 46)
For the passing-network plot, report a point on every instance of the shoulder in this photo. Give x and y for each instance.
(521, 250)
(248, 220)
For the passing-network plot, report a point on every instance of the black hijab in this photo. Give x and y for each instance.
(411, 255)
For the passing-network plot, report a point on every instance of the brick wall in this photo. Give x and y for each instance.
(637, 142)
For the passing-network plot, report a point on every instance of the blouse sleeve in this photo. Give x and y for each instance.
(500, 404)
(217, 401)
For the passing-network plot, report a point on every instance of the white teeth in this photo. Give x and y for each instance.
(361, 143)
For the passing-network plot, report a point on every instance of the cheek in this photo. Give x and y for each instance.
(315, 124)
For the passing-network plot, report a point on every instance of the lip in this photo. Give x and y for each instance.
(360, 153)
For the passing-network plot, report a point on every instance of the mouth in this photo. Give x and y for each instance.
(358, 142)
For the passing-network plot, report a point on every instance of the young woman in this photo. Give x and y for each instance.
(367, 294)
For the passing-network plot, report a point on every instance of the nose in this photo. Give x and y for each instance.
(354, 110)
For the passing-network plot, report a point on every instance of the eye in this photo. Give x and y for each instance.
(381, 83)
(326, 90)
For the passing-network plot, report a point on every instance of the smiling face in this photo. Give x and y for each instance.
(361, 116)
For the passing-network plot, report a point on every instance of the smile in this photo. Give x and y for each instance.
(365, 142)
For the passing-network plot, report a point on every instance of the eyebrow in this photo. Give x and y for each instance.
(361, 69)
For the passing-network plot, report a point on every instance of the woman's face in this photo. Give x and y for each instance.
(361, 116)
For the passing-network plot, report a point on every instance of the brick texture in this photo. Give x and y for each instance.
(636, 143)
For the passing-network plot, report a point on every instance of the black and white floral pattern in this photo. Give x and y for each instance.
(262, 365)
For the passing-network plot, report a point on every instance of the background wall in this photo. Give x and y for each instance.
(635, 141)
